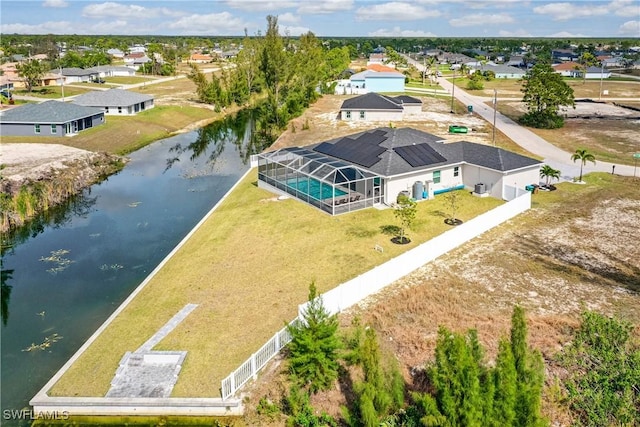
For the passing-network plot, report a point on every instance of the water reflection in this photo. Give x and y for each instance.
(247, 130)
(79, 206)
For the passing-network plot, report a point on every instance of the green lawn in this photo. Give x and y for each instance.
(51, 92)
(127, 80)
(248, 267)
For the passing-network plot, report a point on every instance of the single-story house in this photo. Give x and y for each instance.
(49, 118)
(116, 101)
(113, 71)
(200, 58)
(516, 61)
(116, 53)
(505, 71)
(374, 167)
(596, 73)
(78, 75)
(376, 58)
(372, 81)
(567, 69)
(135, 60)
(375, 107)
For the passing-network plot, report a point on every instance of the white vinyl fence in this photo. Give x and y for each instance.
(355, 290)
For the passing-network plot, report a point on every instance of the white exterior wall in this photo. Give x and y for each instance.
(405, 182)
(372, 115)
(491, 179)
(520, 179)
(412, 109)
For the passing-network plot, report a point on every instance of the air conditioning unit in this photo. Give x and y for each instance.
(480, 189)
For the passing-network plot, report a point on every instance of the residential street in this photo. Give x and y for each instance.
(553, 156)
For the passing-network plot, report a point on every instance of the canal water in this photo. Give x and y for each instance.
(66, 273)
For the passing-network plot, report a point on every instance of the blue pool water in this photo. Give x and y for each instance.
(314, 188)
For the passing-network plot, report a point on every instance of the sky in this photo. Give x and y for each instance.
(325, 18)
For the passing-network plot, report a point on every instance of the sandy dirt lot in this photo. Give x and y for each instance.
(33, 160)
(323, 123)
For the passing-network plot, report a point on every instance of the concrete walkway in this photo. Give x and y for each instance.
(147, 373)
(552, 155)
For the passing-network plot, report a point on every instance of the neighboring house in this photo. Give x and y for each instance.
(563, 55)
(371, 81)
(78, 75)
(376, 107)
(199, 58)
(6, 84)
(376, 58)
(596, 73)
(616, 62)
(50, 118)
(135, 60)
(505, 71)
(51, 79)
(567, 69)
(113, 71)
(116, 101)
(381, 68)
(137, 48)
(516, 61)
(373, 168)
(115, 53)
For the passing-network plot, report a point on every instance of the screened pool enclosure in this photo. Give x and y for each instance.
(327, 183)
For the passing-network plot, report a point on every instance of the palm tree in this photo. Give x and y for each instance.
(548, 172)
(584, 156)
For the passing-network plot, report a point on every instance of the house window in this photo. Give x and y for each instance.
(106, 110)
(348, 114)
(119, 110)
(362, 115)
(456, 171)
(54, 129)
(436, 177)
(37, 128)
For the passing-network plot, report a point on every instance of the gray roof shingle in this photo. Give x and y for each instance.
(54, 112)
(392, 164)
(111, 98)
(371, 101)
(74, 71)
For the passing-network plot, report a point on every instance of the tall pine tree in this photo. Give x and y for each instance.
(314, 346)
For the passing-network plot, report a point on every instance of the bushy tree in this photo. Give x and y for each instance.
(544, 93)
(604, 365)
(313, 350)
(32, 71)
(381, 392)
(469, 393)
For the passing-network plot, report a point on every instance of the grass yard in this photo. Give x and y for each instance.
(576, 249)
(179, 87)
(248, 267)
(122, 135)
(127, 80)
(51, 92)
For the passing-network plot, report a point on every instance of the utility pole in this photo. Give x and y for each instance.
(601, 73)
(495, 108)
(424, 69)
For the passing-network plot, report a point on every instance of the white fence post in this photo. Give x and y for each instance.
(254, 371)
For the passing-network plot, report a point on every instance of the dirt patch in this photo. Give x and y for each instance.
(321, 123)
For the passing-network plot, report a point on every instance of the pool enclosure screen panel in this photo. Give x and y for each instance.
(330, 184)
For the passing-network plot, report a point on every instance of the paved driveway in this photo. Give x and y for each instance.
(552, 155)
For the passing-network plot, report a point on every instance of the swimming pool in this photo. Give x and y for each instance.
(314, 188)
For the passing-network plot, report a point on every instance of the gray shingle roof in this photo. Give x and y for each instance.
(406, 99)
(392, 164)
(371, 101)
(73, 71)
(54, 112)
(111, 98)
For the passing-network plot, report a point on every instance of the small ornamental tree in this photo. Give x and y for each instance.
(584, 156)
(453, 202)
(548, 172)
(405, 211)
(314, 346)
